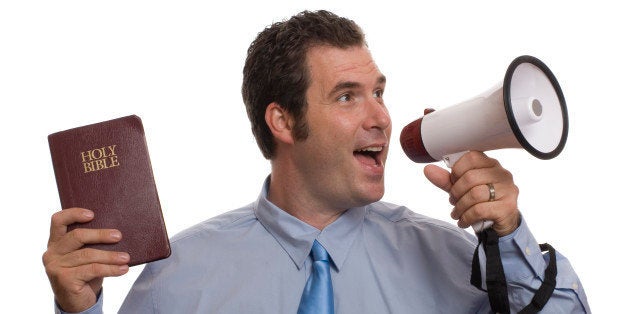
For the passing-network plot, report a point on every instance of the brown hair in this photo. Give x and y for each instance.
(275, 69)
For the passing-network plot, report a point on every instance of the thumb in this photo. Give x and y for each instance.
(438, 176)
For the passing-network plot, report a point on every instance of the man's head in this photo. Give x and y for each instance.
(276, 68)
(315, 99)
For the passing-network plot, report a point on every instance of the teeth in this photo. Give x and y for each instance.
(372, 149)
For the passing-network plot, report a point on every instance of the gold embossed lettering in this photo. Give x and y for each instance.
(114, 161)
(88, 167)
(100, 164)
(97, 153)
(86, 156)
(100, 158)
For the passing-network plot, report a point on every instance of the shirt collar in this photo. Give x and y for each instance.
(296, 237)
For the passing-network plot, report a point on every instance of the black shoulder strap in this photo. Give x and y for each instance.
(496, 280)
(547, 286)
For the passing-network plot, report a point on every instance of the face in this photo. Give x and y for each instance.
(341, 162)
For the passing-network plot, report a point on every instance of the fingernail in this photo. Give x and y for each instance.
(123, 268)
(452, 201)
(88, 214)
(116, 235)
(124, 257)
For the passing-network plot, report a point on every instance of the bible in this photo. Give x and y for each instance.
(105, 167)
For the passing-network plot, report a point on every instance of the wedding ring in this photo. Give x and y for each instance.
(491, 192)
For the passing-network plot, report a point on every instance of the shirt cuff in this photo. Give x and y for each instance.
(95, 309)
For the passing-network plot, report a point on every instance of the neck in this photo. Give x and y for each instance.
(287, 193)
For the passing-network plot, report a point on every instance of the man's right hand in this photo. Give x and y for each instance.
(76, 273)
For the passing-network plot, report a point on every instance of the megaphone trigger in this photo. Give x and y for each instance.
(451, 159)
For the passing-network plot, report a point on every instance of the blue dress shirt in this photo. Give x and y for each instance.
(386, 259)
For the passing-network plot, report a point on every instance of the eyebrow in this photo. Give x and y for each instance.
(350, 85)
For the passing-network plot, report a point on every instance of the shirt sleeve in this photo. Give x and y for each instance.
(524, 267)
(140, 298)
(95, 309)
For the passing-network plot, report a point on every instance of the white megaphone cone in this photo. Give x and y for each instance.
(527, 110)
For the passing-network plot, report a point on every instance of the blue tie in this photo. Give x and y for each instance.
(318, 295)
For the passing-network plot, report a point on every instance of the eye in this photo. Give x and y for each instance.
(344, 98)
(378, 93)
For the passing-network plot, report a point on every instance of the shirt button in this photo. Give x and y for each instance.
(574, 286)
(528, 252)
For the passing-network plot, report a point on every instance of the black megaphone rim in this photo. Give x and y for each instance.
(510, 114)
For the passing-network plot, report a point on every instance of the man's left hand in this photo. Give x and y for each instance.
(468, 188)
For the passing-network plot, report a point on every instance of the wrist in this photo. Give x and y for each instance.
(508, 226)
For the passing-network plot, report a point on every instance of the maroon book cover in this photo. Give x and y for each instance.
(105, 167)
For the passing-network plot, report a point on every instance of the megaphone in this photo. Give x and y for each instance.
(526, 110)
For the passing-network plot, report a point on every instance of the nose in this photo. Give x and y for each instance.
(378, 116)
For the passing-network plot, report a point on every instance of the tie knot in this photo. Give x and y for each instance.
(318, 252)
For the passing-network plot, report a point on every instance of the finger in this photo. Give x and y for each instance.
(477, 213)
(76, 238)
(452, 200)
(469, 161)
(477, 194)
(93, 271)
(502, 213)
(438, 176)
(89, 256)
(62, 219)
(480, 177)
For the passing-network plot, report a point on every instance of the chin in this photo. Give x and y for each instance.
(372, 196)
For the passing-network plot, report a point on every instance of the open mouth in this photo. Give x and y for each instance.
(370, 156)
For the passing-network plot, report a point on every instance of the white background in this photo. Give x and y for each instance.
(178, 66)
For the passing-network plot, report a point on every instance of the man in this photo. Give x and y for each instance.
(314, 96)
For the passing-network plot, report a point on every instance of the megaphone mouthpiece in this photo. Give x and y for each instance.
(414, 149)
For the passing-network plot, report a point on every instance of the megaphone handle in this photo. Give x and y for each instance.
(450, 160)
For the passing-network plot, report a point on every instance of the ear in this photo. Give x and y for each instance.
(280, 123)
